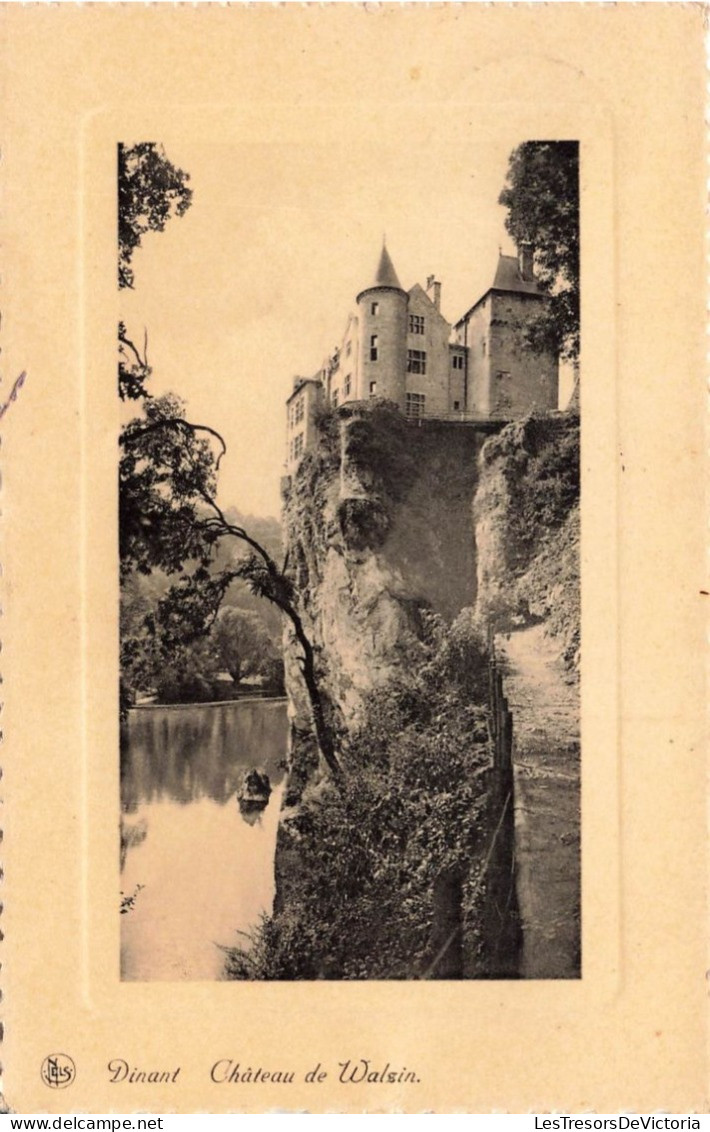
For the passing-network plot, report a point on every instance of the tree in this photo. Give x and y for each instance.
(133, 368)
(150, 190)
(168, 515)
(241, 643)
(170, 520)
(541, 194)
(166, 469)
(190, 673)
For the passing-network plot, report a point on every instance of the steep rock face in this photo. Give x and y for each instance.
(526, 514)
(378, 528)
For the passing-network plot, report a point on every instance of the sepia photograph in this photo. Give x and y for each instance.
(349, 561)
(353, 587)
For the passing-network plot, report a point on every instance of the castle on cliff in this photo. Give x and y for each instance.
(400, 347)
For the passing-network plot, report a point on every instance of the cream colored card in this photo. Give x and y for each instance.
(308, 132)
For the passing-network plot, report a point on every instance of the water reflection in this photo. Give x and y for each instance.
(191, 752)
(251, 817)
(132, 833)
(206, 868)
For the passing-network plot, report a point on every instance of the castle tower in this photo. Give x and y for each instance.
(382, 312)
(505, 379)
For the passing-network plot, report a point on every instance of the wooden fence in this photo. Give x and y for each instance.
(500, 923)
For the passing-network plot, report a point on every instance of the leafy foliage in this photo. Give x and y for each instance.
(150, 190)
(529, 557)
(379, 445)
(241, 643)
(187, 673)
(541, 194)
(273, 675)
(230, 552)
(546, 490)
(411, 806)
(168, 515)
(166, 472)
(538, 460)
(169, 519)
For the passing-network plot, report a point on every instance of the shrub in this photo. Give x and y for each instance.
(359, 902)
(272, 673)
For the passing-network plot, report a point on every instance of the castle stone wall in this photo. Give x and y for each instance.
(520, 380)
(434, 342)
(477, 337)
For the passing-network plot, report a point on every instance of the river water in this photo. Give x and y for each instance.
(206, 870)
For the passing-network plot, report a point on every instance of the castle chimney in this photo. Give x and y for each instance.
(525, 262)
(433, 290)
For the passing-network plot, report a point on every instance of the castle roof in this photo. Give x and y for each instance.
(509, 278)
(385, 276)
(298, 384)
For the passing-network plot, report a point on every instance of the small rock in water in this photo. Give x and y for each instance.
(255, 789)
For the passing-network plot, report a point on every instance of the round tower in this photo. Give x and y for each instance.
(382, 313)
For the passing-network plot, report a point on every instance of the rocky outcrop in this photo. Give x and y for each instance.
(378, 528)
(526, 513)
(255, 789)
(392, 528)
(528, 546)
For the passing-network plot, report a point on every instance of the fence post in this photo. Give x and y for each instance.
(502, 929)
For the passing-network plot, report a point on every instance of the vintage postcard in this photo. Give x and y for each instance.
(354, 614)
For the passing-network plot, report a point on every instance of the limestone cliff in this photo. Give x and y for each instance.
(528, 550)
(405, 867)
(527, 534)
(377, 522)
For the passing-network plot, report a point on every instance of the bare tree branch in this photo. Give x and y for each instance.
(278, 596)
(174, 422)
(126, 341)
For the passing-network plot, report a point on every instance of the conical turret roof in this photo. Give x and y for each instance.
(386, 275)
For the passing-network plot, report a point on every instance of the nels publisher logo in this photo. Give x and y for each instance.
(58, 1070)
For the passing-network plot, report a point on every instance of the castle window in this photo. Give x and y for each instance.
(374, 308)
(416, 324)
(347, 386)
(335, 398)
(484, 346)
(298, 411)
(457, 405)
(416, 361)
(373, 347)
(348, 347)
(298, 446)
(373, 388)
(414, 405)
(457, 361)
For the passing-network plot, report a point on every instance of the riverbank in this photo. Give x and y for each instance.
(197, 870)
(250, 699)
(385, 873)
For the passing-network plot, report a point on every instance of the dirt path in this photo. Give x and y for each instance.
(545, 710)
